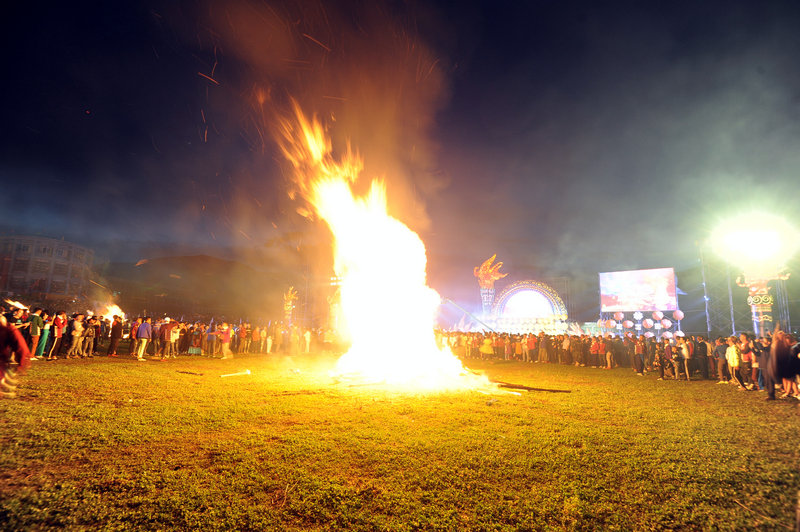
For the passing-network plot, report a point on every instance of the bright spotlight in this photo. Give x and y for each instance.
(759, 243)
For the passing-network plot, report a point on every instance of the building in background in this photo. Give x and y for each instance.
(44, 269)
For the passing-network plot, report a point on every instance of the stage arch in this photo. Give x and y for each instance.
(531, 300)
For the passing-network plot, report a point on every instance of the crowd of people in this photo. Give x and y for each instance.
(741, 361)
(38, 335)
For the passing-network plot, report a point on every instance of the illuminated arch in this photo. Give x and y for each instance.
(543, 301)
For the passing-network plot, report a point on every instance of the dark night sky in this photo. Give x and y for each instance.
(569, 137)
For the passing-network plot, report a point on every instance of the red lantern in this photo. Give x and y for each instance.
(628, 324)
(619, 316)
(649, 334)
(648, 323)
(657, 315)
(678, 315)
(666, 323)
(667, 334)
(601, 323)
(610, 324)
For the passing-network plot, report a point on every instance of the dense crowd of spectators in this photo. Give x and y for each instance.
(85, 336)
(38, 335)
(740, 360)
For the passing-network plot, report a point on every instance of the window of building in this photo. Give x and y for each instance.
(58, 287)
(40, 266)
(59, 268)
(45, 251)
(17, 283)
(63, 253)
(20, 265)
(23, 248)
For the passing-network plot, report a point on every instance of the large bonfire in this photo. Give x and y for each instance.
(388, 308)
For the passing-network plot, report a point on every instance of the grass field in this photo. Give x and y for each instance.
(111, 443)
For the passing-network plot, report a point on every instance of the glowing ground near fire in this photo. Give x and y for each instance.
(122, 445)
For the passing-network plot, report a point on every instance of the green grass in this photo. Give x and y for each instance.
(117, 444)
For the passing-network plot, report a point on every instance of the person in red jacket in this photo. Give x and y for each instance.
(59, 325)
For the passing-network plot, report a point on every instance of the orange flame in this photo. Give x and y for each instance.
(111, 311)
(388, 308)
(16, 304)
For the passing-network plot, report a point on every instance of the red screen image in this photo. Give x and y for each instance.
(638, 290)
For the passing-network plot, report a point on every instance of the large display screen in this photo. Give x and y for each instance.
(638, 290)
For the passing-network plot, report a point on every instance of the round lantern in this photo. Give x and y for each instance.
(649, 334)
(628, 324)
(679, 333)
(648, 323)
(667, 334)
(657, 315)
(678, 315)
(610, 324)
(619, 316)
(666, 323)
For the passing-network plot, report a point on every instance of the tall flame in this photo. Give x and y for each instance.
(111, 311)
(388, 308)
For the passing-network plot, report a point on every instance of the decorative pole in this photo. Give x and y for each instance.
(760, 300)
(288, 305)
(487, 274)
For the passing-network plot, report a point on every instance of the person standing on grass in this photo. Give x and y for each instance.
(59, 325)
(759, 368)
(211, 340)
(134, 342)
(784, 363)
(681, 357)
(88, 338)
(746, 366)
(701, 356)
(35, 330)
(733, 355)
(76, 335)
(638, 356)
(45, 337)
(225, 335)
(669, 358)
(144, 334)
(116, 334)
(720, 350)
(608, 350)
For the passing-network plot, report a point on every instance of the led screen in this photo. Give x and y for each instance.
(638, 290)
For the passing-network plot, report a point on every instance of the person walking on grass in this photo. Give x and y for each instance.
(224, 335)
(59, 326)
(35, 330)
(13, 352)
(733, 355)
(116, 334)
(144, 334)
(683, 356)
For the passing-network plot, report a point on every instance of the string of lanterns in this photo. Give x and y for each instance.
(657, 322)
